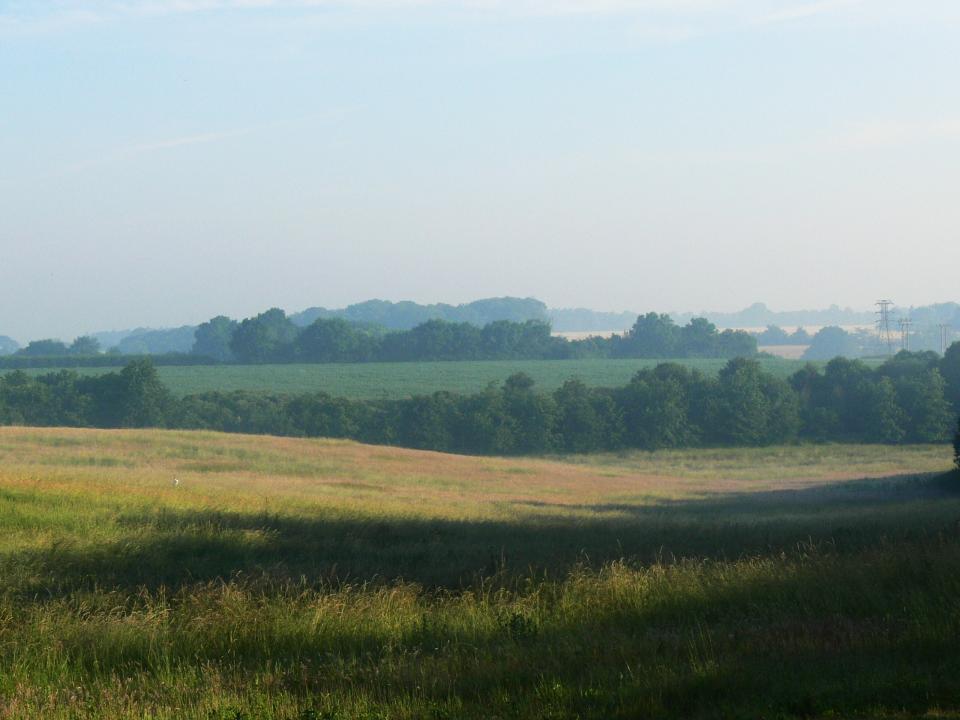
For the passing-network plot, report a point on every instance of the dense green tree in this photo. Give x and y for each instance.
(44, 348)
(159, 342)
(532, 414)
(85, 345)
(335, 340)
(579, 427)
(486, 427)
(134, 397)
(427, 422)
(319, 415)
(776, 335)
(610, 412)
(20, 394)
(956, 447)
(652, 336)
(950, 369)
(238, 411)
(831, 342)
(773, 335)
(504, 339)
(923, 399)
(144, 400)
(48, 400)
(783, 411)
(587, 419)
(698, 339)
(433, 340)
(212, 338)
(805, 383)
(589, 347)
(538, 341)
(656, 407)
(885, 420)
(656, 336)
(406, 315)
(907, 364)
(268, 337)
(849, 401)
(846, 389)
(735, 343)
(740, 411)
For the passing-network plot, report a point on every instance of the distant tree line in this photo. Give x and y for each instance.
(913, 398)
(776, 335)
(405, 315)
(27, 362)
(49, 348)
(390, 316)
(272, 337)
(832, 341)
(828, 342)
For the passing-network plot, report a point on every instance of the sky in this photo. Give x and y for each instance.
(165, 161)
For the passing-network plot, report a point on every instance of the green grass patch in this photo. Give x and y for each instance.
(312, 579)
(399, 380)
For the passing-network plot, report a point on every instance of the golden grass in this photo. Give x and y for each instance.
(244, 473)
(288, 579)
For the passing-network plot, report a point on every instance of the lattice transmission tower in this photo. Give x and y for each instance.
(884, 331)
(905, 325)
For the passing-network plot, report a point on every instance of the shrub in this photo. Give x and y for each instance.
(956, 446)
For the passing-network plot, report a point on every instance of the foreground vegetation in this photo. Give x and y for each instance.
(292, 579)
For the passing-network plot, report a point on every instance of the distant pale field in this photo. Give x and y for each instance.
(398, 380)
(582, 334)
(788, 352)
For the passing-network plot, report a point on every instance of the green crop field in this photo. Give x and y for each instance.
(398, 380)
(290, 579)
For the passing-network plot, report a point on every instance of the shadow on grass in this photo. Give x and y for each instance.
(175, 548)
(829, 497)
(870, 628)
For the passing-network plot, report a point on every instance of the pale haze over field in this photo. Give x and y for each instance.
(163, 161)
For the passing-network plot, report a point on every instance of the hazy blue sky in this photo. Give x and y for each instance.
(163, 161)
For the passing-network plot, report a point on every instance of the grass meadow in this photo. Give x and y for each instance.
(289, 579)
(369, 381)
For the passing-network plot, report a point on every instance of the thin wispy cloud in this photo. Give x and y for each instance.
(134, 150)
(128, 152)
(176, 142)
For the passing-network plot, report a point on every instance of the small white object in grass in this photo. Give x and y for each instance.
(176, 482)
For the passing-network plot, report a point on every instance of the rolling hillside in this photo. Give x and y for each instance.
(196, 575)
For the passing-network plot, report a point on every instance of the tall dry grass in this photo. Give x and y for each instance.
(291, 579)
